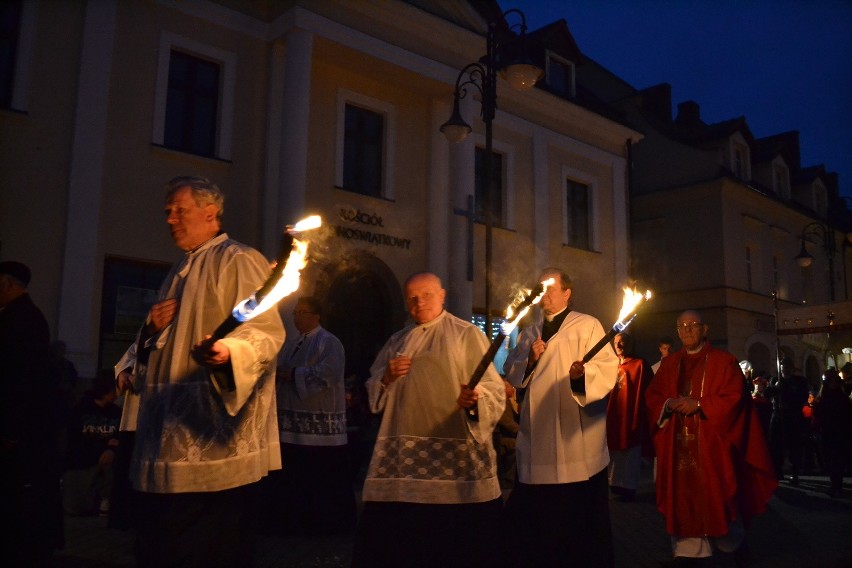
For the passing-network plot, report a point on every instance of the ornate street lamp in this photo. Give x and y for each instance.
(521, 74)
(805, 259)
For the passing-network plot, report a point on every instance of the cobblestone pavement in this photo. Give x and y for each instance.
(803, 527)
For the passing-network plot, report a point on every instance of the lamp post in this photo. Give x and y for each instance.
(481, 75)
(805, 259)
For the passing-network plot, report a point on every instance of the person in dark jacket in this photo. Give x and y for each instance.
(833, 421)
(29, 436)
(787, 427)
(92, 443)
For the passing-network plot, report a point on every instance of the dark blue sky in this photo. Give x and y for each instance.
(783, 64)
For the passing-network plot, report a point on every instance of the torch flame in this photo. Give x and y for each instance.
(306, 224)
(507, 327)
(632, 300)
(289, 280)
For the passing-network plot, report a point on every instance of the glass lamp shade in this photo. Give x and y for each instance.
(456, 129)
(804, 258)
(455, 133)
(522, 76)
(804, 261)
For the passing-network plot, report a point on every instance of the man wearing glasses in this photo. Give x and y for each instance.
(714, 472)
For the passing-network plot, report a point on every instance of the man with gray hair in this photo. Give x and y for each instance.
(201, 447)
(714, 473)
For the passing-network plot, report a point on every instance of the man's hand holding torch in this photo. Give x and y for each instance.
(212, 355)
(467, 398)
(577, 370)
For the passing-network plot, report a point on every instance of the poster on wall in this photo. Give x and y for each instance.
(130, 288)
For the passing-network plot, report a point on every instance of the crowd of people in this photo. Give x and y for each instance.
(219, 437)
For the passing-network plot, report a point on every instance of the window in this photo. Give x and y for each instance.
(363, 151)
(781, 181)
(192, 106)
(741, 161)
(481, 195)
(577, 214)
(748, 268)
(560, 75)
(820, 199)
(10, 25)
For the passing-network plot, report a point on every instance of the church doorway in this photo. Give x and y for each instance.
(363, 307)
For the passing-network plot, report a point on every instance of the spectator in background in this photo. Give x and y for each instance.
(789, 393)
(811, 447)
(29, 428)
(833, 420)
(762, 404)
(64, 375)
(91, 446)
(748, 373)
(122, 501)
(665, 346)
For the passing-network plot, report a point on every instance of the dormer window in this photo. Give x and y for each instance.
(781, 181)
(820, 196)
(560, 75)
(740, 161)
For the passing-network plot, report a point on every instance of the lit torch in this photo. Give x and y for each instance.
(633, 300)
(283, 281)
(506, 328)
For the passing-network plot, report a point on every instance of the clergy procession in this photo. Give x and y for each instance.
(235, 430)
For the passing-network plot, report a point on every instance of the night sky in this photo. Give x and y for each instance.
(783, 64)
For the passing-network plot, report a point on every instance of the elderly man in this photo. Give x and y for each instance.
(206, 429)
(714, 472)
(559, 507)
(431, 496)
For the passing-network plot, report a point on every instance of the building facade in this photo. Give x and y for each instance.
(296, 108)
(718, 222)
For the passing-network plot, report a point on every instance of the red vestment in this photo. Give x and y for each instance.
(713, 466)
(626, 419)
